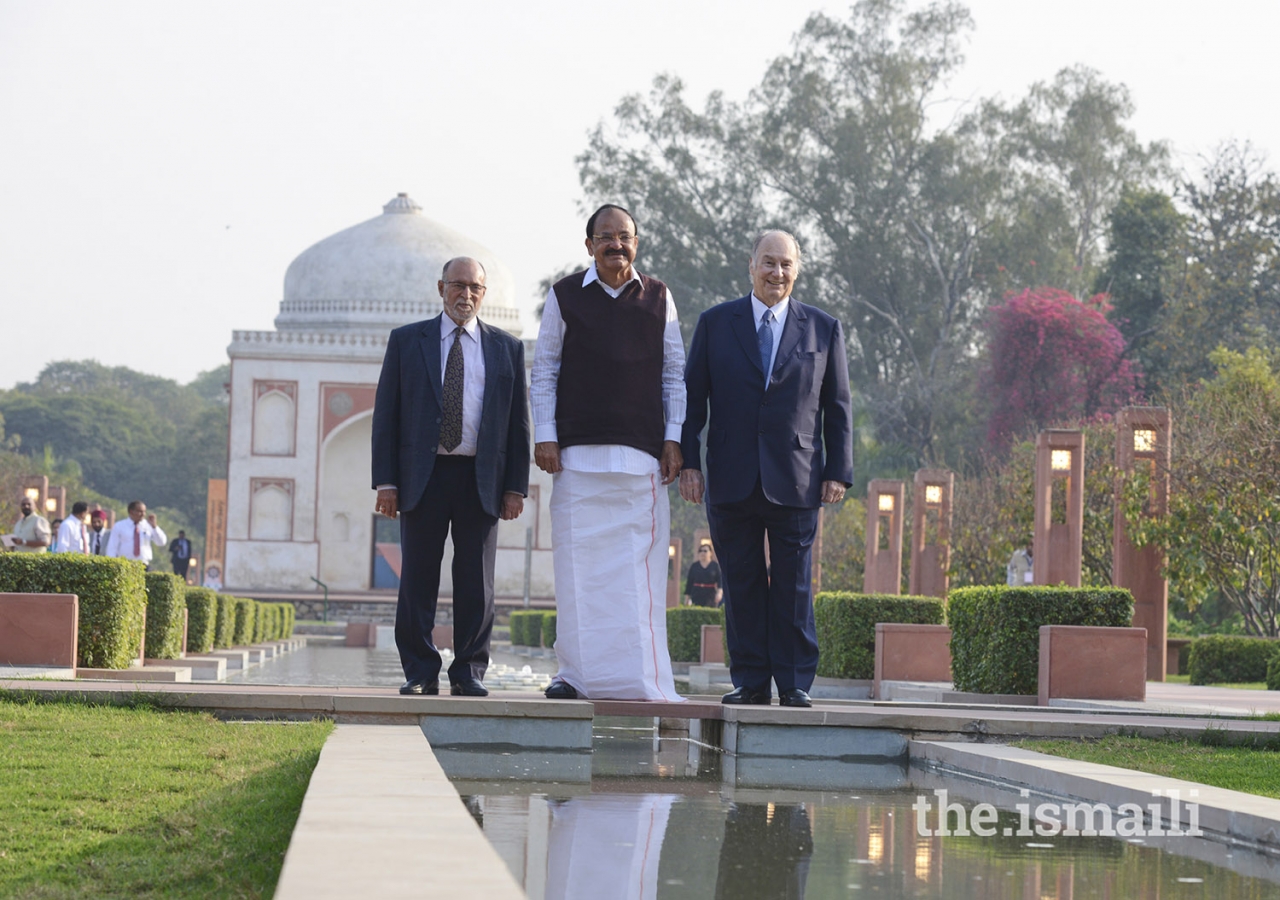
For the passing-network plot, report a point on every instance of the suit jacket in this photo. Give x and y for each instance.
(406, 415)
(775, 430)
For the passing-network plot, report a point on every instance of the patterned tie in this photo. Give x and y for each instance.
(451, 405)
(764, 337)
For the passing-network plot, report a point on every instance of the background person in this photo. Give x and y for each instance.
(31, 533)
(133, 537)
(73, 533)
(702, 586)
(180, 555)
(99, 535)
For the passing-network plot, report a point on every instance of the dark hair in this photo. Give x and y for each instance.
(591, 222)
(79, 508)
(444, 272)
(135, 504)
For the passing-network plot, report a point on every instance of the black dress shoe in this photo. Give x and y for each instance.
(744, 696)
(421, 687)
(794, 697)
(468, 687)
(561, 690)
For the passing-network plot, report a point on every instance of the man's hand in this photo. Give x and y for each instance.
(512, 506)
(691, 485)
(387, 502)
(832, 491)
(546, 455)
(151, 520)
(672, 460)
(19, 542)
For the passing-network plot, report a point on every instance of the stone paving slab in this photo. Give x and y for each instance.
(381, 819)
(39, 672)
(171, 674)
(1245, 818)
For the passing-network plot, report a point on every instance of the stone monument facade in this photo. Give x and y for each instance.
(1058, 541)
(1144, 440)
(883, 571)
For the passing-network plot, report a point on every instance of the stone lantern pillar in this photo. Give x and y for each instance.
(55, 504)
(1143, 441)
(1059, 508)
(883, 572)
(931, 532)
(36, 487)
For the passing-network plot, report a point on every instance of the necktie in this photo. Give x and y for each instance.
(764, 337)
(137, 540)
(451, 399)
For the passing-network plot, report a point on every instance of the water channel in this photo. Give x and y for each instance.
(645, 816)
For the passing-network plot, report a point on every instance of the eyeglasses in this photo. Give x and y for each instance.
(622, 237)
(466, 287)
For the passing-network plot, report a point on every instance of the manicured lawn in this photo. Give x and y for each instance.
(1238, 768)
(1244, 685)
(137, 802)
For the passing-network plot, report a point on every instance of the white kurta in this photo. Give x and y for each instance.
(606, 845)
(611, 532)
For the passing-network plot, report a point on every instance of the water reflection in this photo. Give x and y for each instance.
(632, 839)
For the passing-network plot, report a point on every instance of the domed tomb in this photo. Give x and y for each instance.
(382, 273)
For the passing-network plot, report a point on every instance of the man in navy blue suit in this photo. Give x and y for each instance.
(450, 453)
(779, 445)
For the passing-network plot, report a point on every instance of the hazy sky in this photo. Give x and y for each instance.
(162, 163)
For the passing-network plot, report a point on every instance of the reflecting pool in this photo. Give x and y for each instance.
(665, 831)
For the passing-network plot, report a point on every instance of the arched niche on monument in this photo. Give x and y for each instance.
(271, 509)
(345, 504)
(274, 418)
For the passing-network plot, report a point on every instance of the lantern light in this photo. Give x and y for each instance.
(886, 503)
(1060, 460)
(1144, 440)
(933, 494)
(51, 504)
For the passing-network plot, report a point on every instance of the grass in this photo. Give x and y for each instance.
(1242, 685)
(1254, 771)
(109, 802)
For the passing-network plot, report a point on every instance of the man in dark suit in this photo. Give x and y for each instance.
(767, 472)
(450, 452)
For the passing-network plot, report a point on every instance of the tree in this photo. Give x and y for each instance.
(1053, 359)
(1221, 533)
(895, 213)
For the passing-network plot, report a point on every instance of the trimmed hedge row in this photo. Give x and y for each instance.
(846, 626)
(166, 602)
(995, 630)
(113, 599)
(684, 630)
(1273, 673)
(549, 628)
(202, 619)
(225, 626)
(1230, 658)
(526, 628)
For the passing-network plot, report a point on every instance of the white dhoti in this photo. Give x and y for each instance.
(610, 534)
(607, 845)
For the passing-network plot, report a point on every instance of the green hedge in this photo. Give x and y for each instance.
(166, 601)
(684, 630)
(275, 622)
(1273, 673)
(549, 629)
(995, 630)
(259, 622)
(1230, 659)
(290, 616)
(202, 619)
(113, 599)
(846, 626)
(242, 635)
(526, 628)
(225, 625)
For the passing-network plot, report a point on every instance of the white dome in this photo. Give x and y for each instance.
(382, 273)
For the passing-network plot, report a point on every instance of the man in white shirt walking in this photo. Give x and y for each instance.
(608, 397)
(132, 538)
(73, 535)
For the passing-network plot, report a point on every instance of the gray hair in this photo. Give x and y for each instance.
(444, 272)
(755, 245)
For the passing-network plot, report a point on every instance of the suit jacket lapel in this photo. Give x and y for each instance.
(431, 354)
(744, 328)
(792, 329)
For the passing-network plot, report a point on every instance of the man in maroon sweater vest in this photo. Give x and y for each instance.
(608, 400)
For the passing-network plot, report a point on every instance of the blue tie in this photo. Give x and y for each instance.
(764, 338)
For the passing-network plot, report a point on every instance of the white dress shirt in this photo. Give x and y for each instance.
(546, 375)
(775, 327)
(121, 543)
(472, 384)
(71, 536)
